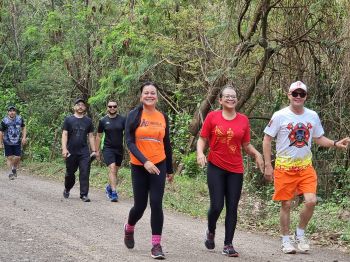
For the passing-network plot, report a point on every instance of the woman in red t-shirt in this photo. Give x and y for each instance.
(226, 131)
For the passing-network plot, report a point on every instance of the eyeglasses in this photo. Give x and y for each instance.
(112, 106)
(296, 94)
(229, 97)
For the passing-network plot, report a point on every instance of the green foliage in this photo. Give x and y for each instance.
(52, 53)
(8, 97)
(180, 134)
(341, 180)
(255, 184)
(188, 195)
(191, 168)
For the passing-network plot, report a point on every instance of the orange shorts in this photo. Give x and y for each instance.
(289, 183)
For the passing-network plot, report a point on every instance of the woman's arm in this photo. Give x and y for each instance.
(201, 145)
(250, 150)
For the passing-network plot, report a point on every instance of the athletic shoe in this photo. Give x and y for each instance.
(157, 252)
(114, 196)
(302, 242)
(229, 251)
(129, 238)
(92, 157)
(209, 240)
(11, 176)
(65, 193)
(287, 247)
(108, 191)
(14, 172)
(85, 199)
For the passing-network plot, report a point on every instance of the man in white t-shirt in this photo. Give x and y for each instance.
(294, 128)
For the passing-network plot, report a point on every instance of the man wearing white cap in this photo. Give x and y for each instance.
(294, 128)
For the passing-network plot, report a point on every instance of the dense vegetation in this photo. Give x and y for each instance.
(52, 51)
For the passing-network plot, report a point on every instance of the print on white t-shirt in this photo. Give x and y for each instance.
(294, 135)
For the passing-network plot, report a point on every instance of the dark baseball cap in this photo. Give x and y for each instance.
(78, 100)
(11, 107)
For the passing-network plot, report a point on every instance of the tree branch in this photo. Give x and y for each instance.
(240, 19)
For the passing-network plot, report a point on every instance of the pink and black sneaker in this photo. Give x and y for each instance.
(129, 238)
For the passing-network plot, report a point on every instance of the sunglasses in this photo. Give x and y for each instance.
(112, 106)
(296, 94)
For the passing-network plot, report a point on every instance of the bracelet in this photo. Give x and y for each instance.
(335, 142)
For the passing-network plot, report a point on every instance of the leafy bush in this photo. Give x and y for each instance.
(341, 180)
(191, 168)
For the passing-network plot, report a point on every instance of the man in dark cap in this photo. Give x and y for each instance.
(13, 135)
(77, 129)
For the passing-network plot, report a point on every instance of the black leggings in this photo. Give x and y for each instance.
(223, 184)
(144, 183)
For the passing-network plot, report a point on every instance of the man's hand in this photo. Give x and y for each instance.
(1, 145)
(268, 174)
(151, 168)
(24, 141)
(343, 144)
(65, 153)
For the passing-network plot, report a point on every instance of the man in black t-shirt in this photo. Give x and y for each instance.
(112, 125)
(77, 128)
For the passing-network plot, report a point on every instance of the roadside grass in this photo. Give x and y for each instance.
(330, 225)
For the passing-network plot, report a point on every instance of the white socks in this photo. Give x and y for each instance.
(285, 239)
(300, 232)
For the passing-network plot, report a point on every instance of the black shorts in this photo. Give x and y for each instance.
(112, 156)
(13, 150)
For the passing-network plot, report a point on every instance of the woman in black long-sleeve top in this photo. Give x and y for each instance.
(147, 137)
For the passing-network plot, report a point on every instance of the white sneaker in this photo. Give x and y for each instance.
(303, 243)
(288, 248)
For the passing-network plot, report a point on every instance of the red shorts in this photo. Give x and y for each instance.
(289, 183)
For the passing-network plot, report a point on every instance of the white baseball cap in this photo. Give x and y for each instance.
(297, 85)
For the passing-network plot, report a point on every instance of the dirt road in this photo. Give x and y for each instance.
(38, 224)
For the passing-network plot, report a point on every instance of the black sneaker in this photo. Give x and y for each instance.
(209, 240)
(85, 199)
(11, 176)
(129, 238)
(65, 193)
(14, 172)
(92, 157)
(157, 252)
(229, 251)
